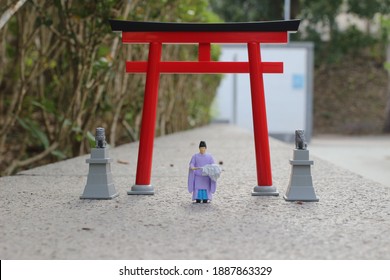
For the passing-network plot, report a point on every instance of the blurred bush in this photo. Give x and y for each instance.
(63, 74)
(351, 86)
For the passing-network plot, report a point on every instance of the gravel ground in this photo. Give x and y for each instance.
(42, 217)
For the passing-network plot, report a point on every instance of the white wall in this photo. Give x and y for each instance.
(288, 95)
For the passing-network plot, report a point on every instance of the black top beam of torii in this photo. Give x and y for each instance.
(256, 26)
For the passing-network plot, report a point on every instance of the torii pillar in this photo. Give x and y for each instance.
(157, 33)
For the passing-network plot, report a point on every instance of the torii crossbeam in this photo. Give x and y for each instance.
(204, 34)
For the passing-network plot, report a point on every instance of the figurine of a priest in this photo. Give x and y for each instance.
(202, 176)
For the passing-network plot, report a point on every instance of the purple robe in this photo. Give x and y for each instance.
(195, 179)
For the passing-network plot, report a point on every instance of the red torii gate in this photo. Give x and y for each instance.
(203, 34)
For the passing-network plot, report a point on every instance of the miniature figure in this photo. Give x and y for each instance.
(202, 176)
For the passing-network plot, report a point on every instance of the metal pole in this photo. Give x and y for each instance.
(287, 12)
(287, 9)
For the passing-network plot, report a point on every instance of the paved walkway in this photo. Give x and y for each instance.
(368, 156)
(42, 217)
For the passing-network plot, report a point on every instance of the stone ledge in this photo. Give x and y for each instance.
(42, 216)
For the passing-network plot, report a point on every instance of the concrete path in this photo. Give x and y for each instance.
(42, 217)
(368, 156)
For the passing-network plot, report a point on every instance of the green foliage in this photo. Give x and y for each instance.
(91, 139)
(34, 131)
(332, 43)
(63, 75)
(320, 11)
(346, 57)
(385, 24)
(368, 9)
(346, 43)
(387, 66)
(248, 10)
(318, 25)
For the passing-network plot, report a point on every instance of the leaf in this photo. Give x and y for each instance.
(41, 136)
(387, 66)
(91, 139)
(35, 131)
(45, 105)
(59, 154)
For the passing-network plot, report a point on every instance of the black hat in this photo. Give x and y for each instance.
(202, 144)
